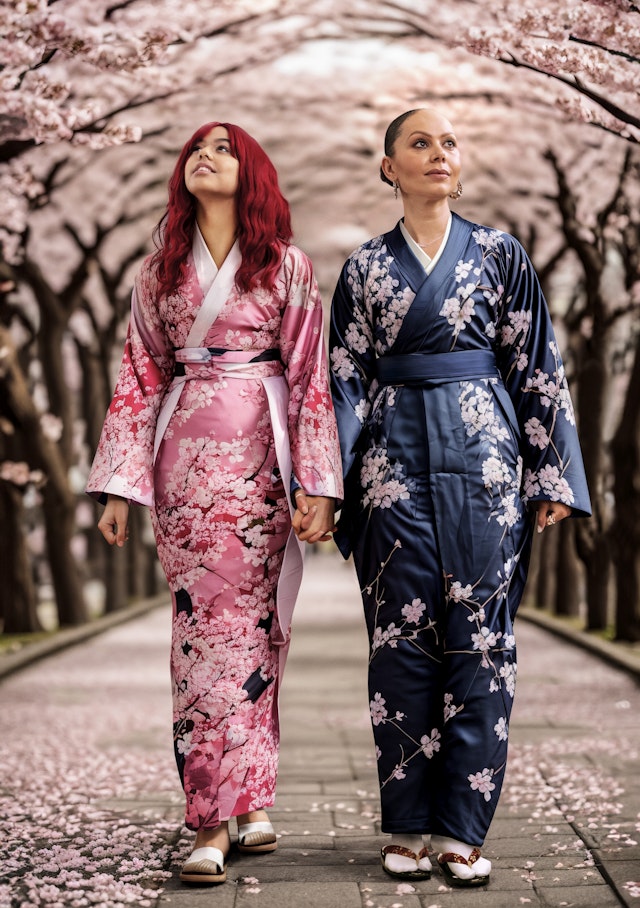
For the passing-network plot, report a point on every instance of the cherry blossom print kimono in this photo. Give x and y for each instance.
(220, 396)
(454, 416)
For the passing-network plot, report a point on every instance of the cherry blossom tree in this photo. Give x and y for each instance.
(589, 50)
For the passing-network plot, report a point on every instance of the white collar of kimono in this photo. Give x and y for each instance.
(427, 263)
(206, 268)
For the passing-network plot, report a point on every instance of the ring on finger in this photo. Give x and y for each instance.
(551, 519)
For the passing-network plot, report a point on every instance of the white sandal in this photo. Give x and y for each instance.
(257, 838)
(204, 865)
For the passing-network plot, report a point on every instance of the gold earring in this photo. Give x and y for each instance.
(457, 193)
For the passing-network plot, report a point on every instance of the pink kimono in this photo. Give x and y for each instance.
(222, 395)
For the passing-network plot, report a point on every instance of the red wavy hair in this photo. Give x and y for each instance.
(264, 218)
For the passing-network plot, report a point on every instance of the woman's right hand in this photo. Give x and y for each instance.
(114, 523)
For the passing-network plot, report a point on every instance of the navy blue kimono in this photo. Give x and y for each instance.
(454, 416)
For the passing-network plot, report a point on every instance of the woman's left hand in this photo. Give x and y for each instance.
(313, 520)
(550, 513)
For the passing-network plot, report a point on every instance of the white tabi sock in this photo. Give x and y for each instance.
(442, 844)
(398, 862)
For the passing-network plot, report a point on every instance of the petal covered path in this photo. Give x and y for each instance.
(91, 810)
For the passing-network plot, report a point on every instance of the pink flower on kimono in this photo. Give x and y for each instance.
(430, 745)
(450, 710)
(537, 433)
(413, 610)
(341, 363)
(501, 730)
(377, 709)
(398, 772)
(458, 592)
(481, 781)
(485, 640)
(555, 485)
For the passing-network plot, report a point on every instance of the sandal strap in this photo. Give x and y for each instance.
(473, 857)
(207, 854)
(399, 849)
(423, 853)
(263, 826)
(450, 857)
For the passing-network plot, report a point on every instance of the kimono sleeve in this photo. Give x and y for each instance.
(313, 434)
(535, 380)
(123, 463)
(352, 359)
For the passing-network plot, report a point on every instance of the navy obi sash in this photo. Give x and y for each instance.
(266, 356)
(436, 368)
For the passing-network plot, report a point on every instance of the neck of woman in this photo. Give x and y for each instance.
(427, 224)
(218, 225)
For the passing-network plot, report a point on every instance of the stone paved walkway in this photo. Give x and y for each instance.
(91, 812)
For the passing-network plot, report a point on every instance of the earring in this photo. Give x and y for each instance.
(457, 193)
(395, 190)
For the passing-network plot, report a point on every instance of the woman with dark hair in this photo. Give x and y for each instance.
(221, 408)
(458, 439)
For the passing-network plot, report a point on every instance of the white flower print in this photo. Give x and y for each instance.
(481, 781)
(413, 611)
(398, 772)
(508, 673)
(537, 433)
(362, 411)
(510, 512)
(463, 269)
(494, 296)
(501, 729)
(458, 592)
(430, 744)
(382, 488)
(460, 310)
(377, 709)
(341, 363)
(450, 709)
(388, 636)
(485, 640)
(488, 238)
(531, 484)
(555, 485)
(494, 472)
(355, 338)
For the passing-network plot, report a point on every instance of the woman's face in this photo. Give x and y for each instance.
(211, 171)
(426, 158)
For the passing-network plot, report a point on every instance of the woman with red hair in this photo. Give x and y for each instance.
(221, 409)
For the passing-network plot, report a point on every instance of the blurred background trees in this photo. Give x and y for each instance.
(99, 96)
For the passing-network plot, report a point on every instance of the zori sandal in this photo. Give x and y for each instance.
(413, 871)
(257, 838)
(204, 865)
(467, 875)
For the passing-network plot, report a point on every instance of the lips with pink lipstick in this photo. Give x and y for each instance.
(203, 168)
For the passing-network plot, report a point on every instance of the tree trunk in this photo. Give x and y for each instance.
(59, 518)
(18, 596)
(625, 531)
(544, 589)
(592, 543)
(567, 598)
(58, 500)
(116, 578)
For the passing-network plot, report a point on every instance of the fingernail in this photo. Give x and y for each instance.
(540, 528)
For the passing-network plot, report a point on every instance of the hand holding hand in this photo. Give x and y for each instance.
(313, 520)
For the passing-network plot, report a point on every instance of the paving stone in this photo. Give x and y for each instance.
(300, 895)
(577, 897)
(570, 724)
